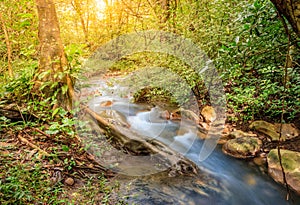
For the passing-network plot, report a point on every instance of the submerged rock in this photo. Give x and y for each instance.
(243, 147)
(106, 103)
(291, 165)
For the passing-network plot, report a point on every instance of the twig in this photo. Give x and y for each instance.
(22, 139)
(21, 114)
(41, 132)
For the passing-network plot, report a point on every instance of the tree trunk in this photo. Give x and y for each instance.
(52, 59)
(8, 47)
(291, 10)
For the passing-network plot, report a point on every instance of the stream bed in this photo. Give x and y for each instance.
(223, 180)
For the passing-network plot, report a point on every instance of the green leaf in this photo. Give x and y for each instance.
(55, 112)
(257, 4)
(64, 89)
(65, 148)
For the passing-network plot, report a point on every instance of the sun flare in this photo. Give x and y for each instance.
(101, 6)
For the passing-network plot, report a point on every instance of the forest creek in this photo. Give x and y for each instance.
(161, 121)
(150, 102)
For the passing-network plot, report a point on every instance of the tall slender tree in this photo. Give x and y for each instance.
(8, 47)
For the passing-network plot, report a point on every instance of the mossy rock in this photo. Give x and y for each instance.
(265, 128)
(243, 147)
(289, 131)
(291, 164)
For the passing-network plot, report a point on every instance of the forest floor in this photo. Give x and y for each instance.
(69, 176)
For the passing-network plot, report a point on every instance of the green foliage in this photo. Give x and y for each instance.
(76, 54)
(4, 122)
(24, 184)
(252, 65)
(161, 77)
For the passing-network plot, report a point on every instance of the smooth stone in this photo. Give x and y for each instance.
(209, 114)
(106, 103)
(289, 131)
(291, 164)
(243, 147)
(260, 161)
(69, 181)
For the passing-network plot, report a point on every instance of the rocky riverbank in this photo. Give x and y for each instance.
(260, 143)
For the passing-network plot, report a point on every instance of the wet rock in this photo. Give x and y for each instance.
(106, 103)
(260, 161)
(224, 136)
(165, 115)
(204, 125)
(184, 114)
(175, 116)
(272, 131)
(243, 147)
(69, 181)
(291, 165)
(209, 114)
(226, 130)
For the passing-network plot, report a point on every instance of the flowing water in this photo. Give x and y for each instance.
(232, 181)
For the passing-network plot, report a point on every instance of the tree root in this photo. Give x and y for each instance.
(33, 146)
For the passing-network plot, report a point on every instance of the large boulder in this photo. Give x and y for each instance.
(227, 135)
(242, 147)
(265, 128)
(291, 164)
